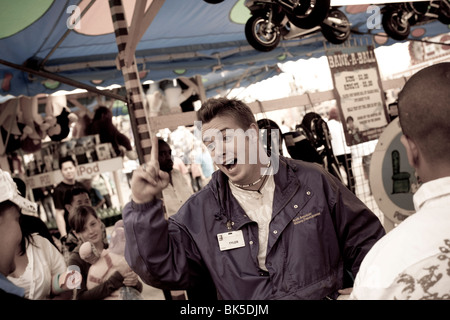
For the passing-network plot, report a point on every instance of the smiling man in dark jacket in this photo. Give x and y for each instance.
(263, 228)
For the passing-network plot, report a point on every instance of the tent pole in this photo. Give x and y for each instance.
(135, 95)
(64, 35)
(70, 82)
(139, 24)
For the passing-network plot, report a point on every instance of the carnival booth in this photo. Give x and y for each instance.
(34, 142)
(188, 50)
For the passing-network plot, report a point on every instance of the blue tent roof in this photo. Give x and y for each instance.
(188, 38)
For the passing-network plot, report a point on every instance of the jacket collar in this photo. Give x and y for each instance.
(286, 183)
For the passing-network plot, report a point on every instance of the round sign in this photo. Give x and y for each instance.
(392, 179)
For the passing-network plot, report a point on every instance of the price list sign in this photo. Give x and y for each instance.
(360, 97)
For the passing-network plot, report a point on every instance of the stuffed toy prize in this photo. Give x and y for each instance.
(108, 262)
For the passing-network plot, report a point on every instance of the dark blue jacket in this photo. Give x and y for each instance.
(318, 229)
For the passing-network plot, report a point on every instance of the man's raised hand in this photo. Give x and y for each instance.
(149, 180)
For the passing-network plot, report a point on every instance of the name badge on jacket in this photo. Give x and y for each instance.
(231, 240)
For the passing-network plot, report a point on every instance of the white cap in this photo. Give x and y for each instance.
(9, 191)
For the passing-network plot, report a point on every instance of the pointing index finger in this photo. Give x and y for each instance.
(154, 153)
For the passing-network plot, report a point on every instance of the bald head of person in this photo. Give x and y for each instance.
(424, 115)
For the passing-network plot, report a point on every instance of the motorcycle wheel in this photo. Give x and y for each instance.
(336, 33)
(394, 26)
(312, 16)
(444, 12)
(213, 1)
(260, 35)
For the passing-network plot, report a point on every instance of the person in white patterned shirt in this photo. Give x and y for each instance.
(413, 260)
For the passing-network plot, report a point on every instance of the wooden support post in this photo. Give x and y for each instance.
(136, 104)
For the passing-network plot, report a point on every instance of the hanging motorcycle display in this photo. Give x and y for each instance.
(301, 13)
(270, 22)
(399, 17)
